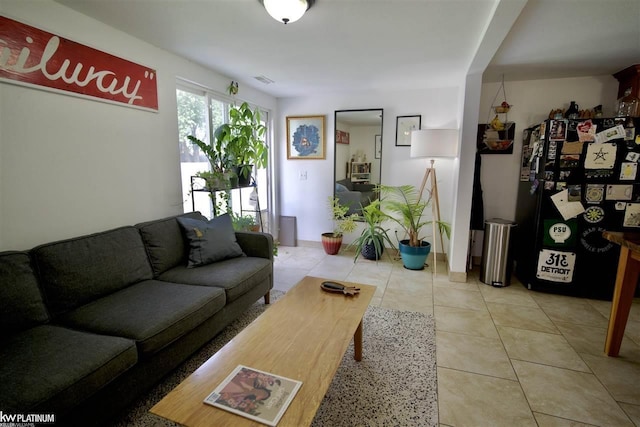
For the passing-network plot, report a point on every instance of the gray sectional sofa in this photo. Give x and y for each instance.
(89, 324)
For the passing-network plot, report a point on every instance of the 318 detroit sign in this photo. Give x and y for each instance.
(33, 57)
(556, 266)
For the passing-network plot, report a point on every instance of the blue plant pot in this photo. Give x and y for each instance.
(413, 258)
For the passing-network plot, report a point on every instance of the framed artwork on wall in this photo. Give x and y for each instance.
(404, 126)
(305, 137)
(342, 137)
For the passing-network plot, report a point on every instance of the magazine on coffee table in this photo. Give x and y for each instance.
(260, 396)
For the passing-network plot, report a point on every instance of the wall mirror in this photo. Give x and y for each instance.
(358, 156)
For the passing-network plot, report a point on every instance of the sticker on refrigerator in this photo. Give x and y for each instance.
(559, 233)
(616, 132)
(593, 214)
(600, 156)
(558, 130)
(628, 171)
(632, 215)
(591, 239)
(551, 152)
(556, 266)
(619, 192)
(632, 157)
(586, 131)
(594, 193)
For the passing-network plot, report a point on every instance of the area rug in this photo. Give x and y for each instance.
(393, 385)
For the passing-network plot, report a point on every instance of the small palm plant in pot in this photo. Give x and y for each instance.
(342, 223)
(370, 243)
(404, 206)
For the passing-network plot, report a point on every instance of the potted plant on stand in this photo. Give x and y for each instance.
(220, 176)
(343, 223)
(243, 141)
(370, 243)
(403, 206)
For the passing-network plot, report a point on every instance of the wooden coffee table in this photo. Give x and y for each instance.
(303, 336)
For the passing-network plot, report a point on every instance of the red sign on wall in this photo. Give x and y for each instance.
(34, 57)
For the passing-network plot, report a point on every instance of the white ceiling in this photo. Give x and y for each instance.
(345, 45)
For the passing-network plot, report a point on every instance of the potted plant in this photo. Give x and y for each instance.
(403, 206)
(244, 222)
(243, 141)
(220, 175)
(370, 243)
(343, 223)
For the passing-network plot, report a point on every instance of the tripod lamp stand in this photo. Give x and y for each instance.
(432, 143)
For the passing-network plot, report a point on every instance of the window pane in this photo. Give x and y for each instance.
(192, 120)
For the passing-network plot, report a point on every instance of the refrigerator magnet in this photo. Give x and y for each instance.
(628, 171)
(620, 206)
(593, 214)
(619, 192)
(558, 130)
(632, 156)
(594, 193)
(632, 215)
(600, 156)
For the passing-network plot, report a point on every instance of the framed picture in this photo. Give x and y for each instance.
(342, 137)
(305, 137)
(404, 126)
(378, 147)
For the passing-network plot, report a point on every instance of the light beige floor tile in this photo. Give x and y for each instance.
(541, 347)
(470, 300)
(479, 355)
(419, 301)
(445, 283)
(620, 377)
(633, 411)
(374, 274)
(460, 320)
(568, 394)
(580, 314)
(632, 331)
(591, 340)
(334, 268)
(549, 421)
(421, 284)
(466, 399)
(517, 295)
(517, 316)
(285, 278)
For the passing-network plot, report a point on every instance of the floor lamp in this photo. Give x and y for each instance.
(432, 143)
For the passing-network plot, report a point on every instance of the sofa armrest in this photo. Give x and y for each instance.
(256, 244)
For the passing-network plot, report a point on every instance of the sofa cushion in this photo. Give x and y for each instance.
(51, 367)
(210, 241)
(165, 242)
(77, 271)
(21, 304)
(153, 313)
(236, 276)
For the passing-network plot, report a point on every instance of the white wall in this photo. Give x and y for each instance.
(307, 200)
(532, 100)
(70, 166)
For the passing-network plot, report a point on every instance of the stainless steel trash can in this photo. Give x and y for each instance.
(496, 253)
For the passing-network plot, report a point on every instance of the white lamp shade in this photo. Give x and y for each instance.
(286, 10)
(434, 143)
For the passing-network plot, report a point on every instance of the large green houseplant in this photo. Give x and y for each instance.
(243, 140)
(370, 243)
(342, 223)
(404, 206)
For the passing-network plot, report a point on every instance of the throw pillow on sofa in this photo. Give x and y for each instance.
(210, 241)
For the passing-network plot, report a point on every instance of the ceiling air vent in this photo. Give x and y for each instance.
(264, 79)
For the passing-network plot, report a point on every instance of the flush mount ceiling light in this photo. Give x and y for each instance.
(286, 10)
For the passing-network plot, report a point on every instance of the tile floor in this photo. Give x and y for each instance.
(506, 356)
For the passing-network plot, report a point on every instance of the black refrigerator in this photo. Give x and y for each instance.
(578, 177)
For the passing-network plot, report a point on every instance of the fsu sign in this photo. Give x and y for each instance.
(32, 57)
